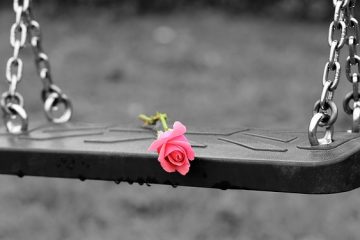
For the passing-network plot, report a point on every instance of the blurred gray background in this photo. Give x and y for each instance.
(206, 63)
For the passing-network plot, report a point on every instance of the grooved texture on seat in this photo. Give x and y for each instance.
(240, 158)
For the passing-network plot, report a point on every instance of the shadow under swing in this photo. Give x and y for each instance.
(250, 159)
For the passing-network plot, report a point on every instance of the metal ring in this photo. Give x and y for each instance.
(356, 117)
(348, 65)
(312, 134)
(51, 103)
(13, 112)
(7, 98)
(343, 29)
(337, 70)
(348, 97)
(52, 88)
(333, 116)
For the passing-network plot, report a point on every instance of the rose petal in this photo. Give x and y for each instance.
(162, 153)
(184, 169)
(167, 166)
(173, 162)
(178, 129)
(164, 135)
(173, 147)
(155, 145)
(178, 156)
(180, 138)
(176, 162)
(185, 146)
(170, 148)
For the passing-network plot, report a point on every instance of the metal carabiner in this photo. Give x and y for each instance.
(12, 113)
(51, 106)
(312, 134)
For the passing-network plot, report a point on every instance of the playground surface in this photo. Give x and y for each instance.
(204, 69)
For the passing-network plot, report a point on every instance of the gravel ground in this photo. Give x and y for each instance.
(204, 69)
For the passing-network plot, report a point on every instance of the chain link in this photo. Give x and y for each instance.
(352, 67)
(342, 28)
(26, 30)
(344, 3)
(325, 111)
(24, 5)
(52, 95)
(12, 102)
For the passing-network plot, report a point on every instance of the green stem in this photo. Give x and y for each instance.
(151, 120)
(147, 120)
(163, 117)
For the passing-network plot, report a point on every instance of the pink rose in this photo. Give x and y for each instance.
(174, 149)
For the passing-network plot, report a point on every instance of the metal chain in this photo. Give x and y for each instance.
(27, 30)
(12, 102)
(325, 110)
(51, 95)
(353, 60)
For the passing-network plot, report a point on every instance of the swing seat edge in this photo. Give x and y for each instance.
(249, 159)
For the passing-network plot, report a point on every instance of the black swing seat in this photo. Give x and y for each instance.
(251, 159)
